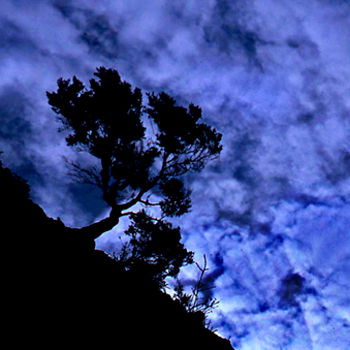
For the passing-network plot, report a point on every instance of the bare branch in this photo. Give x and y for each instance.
(192, 302)
(83, 175)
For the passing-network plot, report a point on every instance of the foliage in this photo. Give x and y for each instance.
(154, 247)
(143, 150)
(108, 121)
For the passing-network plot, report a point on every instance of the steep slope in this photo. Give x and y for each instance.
(59, 290)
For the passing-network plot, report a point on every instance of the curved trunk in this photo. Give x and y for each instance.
(96, 229)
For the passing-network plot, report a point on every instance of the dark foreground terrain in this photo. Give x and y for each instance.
(60, 291)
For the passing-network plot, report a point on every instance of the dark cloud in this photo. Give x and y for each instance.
(306, 49)
(12, 39)
(16, 133)
(306, 117)
(14, 106)
(291, 287)
(229, 33)
(264, 307)
(88, 199)
(337, 168)
(212, 275)
(95, 29)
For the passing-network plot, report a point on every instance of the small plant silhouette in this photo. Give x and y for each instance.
(196, 302)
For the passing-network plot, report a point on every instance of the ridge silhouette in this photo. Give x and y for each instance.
(60, 290)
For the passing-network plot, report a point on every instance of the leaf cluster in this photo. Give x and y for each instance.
(155, 247)
(142, 150)
(108, 121)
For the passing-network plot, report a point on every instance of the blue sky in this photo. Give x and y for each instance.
(272, 213)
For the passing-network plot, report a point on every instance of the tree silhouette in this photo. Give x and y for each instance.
(92, 302)
(142, 151)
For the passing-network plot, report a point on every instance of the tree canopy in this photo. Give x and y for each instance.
(143, 150)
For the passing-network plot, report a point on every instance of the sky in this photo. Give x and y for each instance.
(271, 214)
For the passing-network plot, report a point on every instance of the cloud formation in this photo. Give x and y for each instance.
(274, 77)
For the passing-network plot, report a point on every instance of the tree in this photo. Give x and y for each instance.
(142, 150)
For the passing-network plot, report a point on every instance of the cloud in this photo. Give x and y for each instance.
(273, 77)
(32, 58)
(300, 274)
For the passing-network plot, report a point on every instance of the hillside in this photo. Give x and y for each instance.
(61, 291)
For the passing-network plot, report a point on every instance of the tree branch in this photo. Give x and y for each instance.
(83, 175)
(145, 202)
(96, 229)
